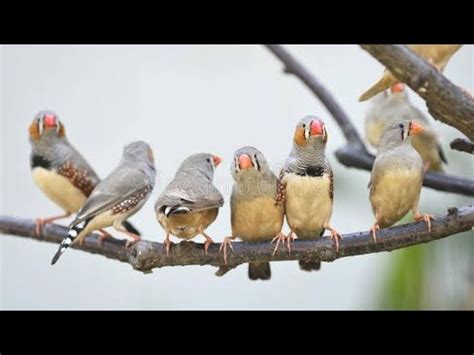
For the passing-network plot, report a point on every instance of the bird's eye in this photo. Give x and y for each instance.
(208, 160)
(304, 125)
(400, 125)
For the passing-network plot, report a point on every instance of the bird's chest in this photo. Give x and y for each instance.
(59, 189)
(395, 193)
(308, 203)
(256, 219)
(188, 225)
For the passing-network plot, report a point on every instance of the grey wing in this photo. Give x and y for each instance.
(122, 183)
(200, 197)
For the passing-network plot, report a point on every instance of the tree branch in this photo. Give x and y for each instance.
(446, 102)
(463, 145)
(355, 154)
(146, 255)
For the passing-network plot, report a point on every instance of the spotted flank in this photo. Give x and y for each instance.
(72, 235)
(132, 200)
(78, 177)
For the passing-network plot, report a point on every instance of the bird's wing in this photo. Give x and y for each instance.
(121, 184)
(201, 196)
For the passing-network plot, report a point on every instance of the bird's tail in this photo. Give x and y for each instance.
(260, 271)
(130, 228)
(384, 83)
(309, 265)
(73, 233)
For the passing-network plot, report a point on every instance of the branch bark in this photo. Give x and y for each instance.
(355, 154)
(446, 102)
(463, 145)
(146, 255)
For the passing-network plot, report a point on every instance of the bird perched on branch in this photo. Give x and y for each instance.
(190, 203)
(394, 106)
(59, 170)
(396, 178)
(254, 215)
(120, 195)
(437, 54)
(307, 186)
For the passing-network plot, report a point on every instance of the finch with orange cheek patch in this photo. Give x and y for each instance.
(190, 203)
(59, 170)
(254, 215)
(308, 184)
(394, 106)
(397, 177)
(437, 54)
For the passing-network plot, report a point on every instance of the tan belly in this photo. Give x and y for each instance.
(394, 195)
(257, 219)
(59, 189)
(188, 225)
(308, 204)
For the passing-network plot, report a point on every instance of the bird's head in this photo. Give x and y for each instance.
(398, 132)
(203, 163)
(248, 163)
(139, 151)
(46, 125)
(310, 130)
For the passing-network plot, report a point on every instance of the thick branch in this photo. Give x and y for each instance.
(354, 154)
(446, 102)
(354, 158)
(462, 145)
(147, 255)
(292, 66)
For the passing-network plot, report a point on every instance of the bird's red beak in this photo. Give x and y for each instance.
(316, 128)
(217, 160)
(245, 162)
(415, 128)
(397, 88)
(49, 120)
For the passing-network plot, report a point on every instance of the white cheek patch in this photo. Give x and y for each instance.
(306, 133)
(40, 127)
(58, 126)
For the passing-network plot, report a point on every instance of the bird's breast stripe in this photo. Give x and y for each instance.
(37, 161)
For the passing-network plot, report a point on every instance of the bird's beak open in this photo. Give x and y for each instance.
(415, 128)
(49, 120)
(245, 162)
(397, 88)
(316, 128)
(217, 160)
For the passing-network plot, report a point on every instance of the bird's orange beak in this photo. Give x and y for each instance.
(415, 128)
(400, 87)
(217, 160)
(316, 128)
(245, 162)
(49, 120)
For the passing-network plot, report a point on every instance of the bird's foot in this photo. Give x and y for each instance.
(373, 230)
(135, 239)
(208, 242)
(167, 244)
(281, 238)
(335, 236)
(425, 217)
(223, 248)
(437, 67)
(39, 226)
(103, 235)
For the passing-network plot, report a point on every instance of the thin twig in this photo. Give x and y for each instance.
(463, 145)
(146, 255)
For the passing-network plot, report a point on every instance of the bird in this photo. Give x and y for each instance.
(59, 170)
(436, 54)
(396, 177)
(254, 215)
(190, 202)
(120, 195)
(307, 187)
(393, 106)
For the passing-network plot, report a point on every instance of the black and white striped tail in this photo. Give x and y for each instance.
(73, 233)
